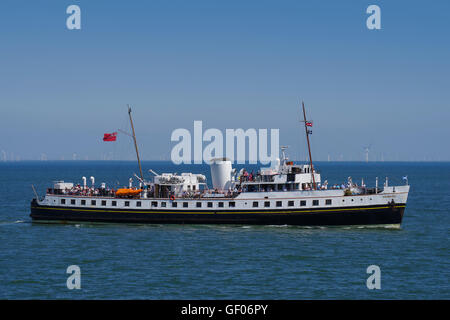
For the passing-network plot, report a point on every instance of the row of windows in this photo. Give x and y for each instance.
(291, 203)
(83, 202)
(174, 204)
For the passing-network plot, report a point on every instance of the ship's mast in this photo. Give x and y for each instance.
(309, 147)
(135, 143)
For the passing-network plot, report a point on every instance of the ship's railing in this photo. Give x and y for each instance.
(361, 191)
(111, 193)
(209, 193)
(256, 178)
(100, 192)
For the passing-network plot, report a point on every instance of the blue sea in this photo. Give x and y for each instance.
(133, 261)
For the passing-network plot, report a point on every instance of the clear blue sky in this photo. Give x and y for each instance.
(232, 64)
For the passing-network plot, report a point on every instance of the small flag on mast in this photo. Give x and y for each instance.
(309, 123)
(110, 136)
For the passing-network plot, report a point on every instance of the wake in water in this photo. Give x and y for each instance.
(5, 223)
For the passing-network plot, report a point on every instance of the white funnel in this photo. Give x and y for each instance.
(221, 173)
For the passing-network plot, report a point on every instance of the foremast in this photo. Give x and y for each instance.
(135, 144)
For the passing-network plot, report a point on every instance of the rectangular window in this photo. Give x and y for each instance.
(315, 202)
(266, 204)
(185, 204)
(291, 203)
(138, 204)
(113, 203)
(302, 203)
(255, 204)
(163, 204)
(103, 202)
(72, 201)
(220, 204)
(127, 203)
(232, 204)
(83, 202)
(279, 203)
(154, 204)
(199, 204)
(174, 204)
(93, 202)
(63, 201)
(328, 202)
(210, 205)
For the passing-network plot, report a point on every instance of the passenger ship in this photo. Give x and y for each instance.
(283, 194)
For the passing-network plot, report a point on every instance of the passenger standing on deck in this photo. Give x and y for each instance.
(245, 175)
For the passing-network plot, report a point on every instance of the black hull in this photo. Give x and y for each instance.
(370, 215)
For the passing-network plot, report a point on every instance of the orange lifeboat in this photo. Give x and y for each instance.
(127, 192)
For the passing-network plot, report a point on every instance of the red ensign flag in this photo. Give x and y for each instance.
(309, 124)
(110, 136)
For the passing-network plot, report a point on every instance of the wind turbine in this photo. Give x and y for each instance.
(366, 151)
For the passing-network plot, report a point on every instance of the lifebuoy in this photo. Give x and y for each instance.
(172, 197)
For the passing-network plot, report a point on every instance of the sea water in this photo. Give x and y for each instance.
(137, 261)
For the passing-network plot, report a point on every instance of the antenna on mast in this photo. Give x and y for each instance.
(308, 132)
(135, 143)
(283, 152)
